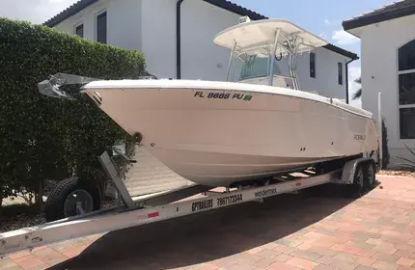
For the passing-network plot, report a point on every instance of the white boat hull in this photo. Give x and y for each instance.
(219, 133)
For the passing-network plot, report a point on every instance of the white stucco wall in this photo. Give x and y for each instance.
(202, 59)
(380, 44)
(123, 22)
(158, 26)
(326, 81)
(150, 26)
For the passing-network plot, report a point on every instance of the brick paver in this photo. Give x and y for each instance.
(376, 231)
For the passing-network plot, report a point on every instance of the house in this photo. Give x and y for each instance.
(388, 66)
(176, 37)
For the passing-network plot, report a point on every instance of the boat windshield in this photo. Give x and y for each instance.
(245, 67)
(254, 67)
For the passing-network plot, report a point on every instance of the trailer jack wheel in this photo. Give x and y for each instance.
(71, 198)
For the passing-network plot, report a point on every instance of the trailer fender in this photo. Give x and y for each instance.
(349, 170)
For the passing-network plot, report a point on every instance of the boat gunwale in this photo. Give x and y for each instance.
(271, 90)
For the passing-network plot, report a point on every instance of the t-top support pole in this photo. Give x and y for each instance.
(272, 55)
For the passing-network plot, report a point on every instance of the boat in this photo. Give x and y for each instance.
(255, 125)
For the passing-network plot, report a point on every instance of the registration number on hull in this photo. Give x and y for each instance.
(223, 95)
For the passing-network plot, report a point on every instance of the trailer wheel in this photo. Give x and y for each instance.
(358, 186)
(370, 175)
(71, 198)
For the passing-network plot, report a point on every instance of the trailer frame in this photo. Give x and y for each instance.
(167, 205)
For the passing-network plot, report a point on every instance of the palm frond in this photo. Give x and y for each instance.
(406, 160)
(408, 163)
(412, 151)
(358, 94)
(406, 166)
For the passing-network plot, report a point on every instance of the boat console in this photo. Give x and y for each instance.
(265, 52)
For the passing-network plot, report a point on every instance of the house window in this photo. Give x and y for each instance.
(340, 73)
(406, 73)
(312, 65)
(407, 123)
(102, 27)
(407, 56)
(79, 30)
(407, 88)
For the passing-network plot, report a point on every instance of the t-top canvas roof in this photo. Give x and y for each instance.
(259, 33)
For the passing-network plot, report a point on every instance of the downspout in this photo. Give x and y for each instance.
(178, 40)
(347, 80)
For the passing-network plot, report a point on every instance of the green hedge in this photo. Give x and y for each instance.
(44, 138)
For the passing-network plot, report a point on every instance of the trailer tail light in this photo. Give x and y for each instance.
(153, 215)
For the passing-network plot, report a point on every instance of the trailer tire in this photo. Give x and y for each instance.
(358, 187)
(370, 176)
(60, 202)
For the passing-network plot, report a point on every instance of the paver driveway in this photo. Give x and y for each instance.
(289, 232)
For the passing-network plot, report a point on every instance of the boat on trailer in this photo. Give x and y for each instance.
(253, 126)
(216, 133)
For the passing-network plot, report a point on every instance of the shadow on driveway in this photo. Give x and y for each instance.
(207, 236)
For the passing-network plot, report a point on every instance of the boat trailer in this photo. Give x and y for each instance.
(358, 173)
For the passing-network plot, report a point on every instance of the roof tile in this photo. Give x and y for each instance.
(389, 12)
(81, 4)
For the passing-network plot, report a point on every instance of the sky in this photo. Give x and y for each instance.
(323, 17)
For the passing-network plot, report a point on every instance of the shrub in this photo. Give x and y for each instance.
(43, 138)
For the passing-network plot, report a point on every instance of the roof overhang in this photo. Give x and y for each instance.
(341, 51)
(81, 4)
(389, 12)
